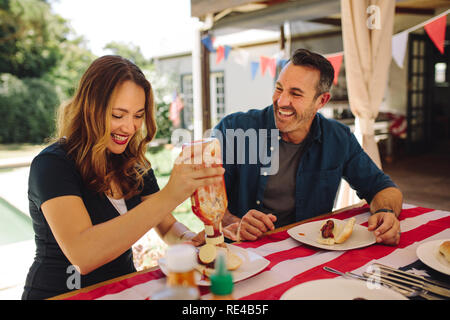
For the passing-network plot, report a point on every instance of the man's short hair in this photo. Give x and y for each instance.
(303, 57)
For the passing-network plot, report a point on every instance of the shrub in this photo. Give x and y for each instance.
(27, 108)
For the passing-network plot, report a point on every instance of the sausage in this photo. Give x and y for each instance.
(327, 229)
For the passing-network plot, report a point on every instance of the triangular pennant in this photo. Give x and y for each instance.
(436, 32)
(254, 66)
(336, 61)
(208, 43)
(272, 67)
(227, 51)
(282, 63)
(241, 57)
(220, 54)
(264, 63)
(399, 42)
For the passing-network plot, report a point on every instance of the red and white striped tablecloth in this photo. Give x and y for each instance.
(292, 263)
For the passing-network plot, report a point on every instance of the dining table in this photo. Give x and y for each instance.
(291, 263)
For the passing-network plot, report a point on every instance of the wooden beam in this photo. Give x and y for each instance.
(418, 11)
(206, 95)
(305, 10)
(200, 8)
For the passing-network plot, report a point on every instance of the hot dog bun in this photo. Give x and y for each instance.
(444, 249)
(341, 233)
(346, 232)
(207, 255)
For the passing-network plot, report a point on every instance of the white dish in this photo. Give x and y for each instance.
(308, 233)
(429, 254)
(252, 263)
(340, 289)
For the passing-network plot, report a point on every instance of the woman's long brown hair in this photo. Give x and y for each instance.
(84, 128)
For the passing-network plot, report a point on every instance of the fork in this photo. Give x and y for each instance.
(406, 291)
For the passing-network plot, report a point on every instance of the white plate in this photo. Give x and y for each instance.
(308, 233)
(339, 289)
(429, 254)
(252, 263)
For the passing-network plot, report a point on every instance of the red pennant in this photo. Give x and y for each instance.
(436, 32)
(272, 67)
(264, 63)
(336, 62)
(220, 54)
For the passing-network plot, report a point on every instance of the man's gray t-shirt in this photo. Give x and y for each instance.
(279, 195)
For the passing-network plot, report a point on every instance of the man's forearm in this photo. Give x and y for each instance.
(389, 198)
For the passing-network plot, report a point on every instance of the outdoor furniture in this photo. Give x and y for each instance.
(293, 263)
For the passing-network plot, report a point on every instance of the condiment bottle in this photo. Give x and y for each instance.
(209, 203)
(181, 260)
(221, 280)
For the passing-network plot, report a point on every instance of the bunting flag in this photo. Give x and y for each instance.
(220, 54)
(264, 62)
(435, 28)
(175, 108)
(336, 61)
(268, 63)
(282, 63)
(241, 56)
(272, 67)
(254, 66)
(436, 32)
(208, 43)
(399, 43)
(227, 51)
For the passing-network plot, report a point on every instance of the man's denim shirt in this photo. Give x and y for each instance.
(332, 153)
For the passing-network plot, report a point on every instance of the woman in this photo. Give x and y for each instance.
(92, 192)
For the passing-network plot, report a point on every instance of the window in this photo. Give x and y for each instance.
(187, 115)
(217, 95)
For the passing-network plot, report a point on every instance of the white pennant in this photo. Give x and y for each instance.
(241, 56)
(399, 42)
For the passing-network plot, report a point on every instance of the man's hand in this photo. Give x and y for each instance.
(386, 228)
(252, 226)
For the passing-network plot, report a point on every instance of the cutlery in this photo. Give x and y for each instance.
(412, 291)
(411, 281)
(412, 276)
(406, 291)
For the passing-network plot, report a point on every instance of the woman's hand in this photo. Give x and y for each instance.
(186, 178)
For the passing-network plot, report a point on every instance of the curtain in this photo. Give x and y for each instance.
(367, 27)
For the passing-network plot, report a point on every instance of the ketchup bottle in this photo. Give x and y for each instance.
(209, 203)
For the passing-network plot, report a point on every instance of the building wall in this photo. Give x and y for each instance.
(243, 93)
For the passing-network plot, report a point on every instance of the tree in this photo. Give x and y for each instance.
(30, 35)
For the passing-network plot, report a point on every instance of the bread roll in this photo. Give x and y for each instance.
(444, 249)
(208, 253)
(346, 232)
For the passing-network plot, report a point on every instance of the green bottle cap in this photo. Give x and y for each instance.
(221, 280)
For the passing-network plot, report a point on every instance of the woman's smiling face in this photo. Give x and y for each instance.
(128, 111)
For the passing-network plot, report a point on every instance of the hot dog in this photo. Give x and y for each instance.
(332, 233)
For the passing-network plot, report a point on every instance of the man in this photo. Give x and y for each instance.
(312, 155)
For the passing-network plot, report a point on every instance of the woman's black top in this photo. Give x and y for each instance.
(53, 174)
